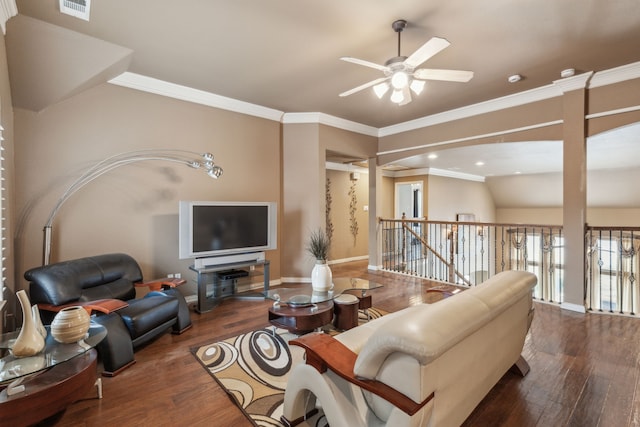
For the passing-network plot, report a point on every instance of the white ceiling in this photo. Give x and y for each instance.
(284, 55)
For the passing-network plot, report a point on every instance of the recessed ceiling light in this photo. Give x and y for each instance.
(515, 78)
(567, 73)
(433, 156)
(480, 163)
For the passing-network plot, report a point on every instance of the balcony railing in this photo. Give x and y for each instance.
(467, 253)
(612, 266)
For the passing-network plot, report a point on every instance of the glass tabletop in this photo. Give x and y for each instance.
(305, 295)
(12, 367)
(342, 284)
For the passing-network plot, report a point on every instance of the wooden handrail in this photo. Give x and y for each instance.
(435, 253)
(325, 352)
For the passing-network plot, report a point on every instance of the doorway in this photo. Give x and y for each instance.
(408, 199)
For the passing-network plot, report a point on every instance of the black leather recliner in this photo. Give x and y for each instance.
(102, 283)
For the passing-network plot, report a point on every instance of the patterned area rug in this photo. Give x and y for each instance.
(254, 368)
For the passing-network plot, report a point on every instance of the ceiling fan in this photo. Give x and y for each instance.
(401, 72)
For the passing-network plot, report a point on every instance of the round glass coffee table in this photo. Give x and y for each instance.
(37, 387)
(301, 309)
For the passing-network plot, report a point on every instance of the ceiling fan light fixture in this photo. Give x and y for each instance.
(417, 86)
(397, 96)
(401, 73)
(399, 80)
(381, 89)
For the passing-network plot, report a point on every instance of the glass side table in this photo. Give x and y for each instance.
(13, 370)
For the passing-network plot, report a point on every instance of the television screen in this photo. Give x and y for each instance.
(214, 229)
(218, 228)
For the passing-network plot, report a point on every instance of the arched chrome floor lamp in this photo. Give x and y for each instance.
(202, 161)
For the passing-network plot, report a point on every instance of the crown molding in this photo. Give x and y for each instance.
(345, 167)
(613, 112)
(184, 93)
(457, 175)
(329, 120)
(593, 80)
(514, 100)
(434, 172)
(581, 81)
(615, 75)
(470, 138)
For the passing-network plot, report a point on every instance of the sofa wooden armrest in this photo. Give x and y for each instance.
(324, 352)
(160, 284)
(102, 305)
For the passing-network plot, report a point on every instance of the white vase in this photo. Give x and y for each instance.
(321, 278)
(29, 342)
(38, 321)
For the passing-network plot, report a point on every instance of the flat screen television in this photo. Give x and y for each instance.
(226, 232)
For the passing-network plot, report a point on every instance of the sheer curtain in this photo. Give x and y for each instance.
(628, 247)
(594, 290)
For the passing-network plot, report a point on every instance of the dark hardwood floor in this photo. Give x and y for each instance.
(584, 370)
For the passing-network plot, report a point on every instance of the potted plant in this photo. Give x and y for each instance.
(318, 246)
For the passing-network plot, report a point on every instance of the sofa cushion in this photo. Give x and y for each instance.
(424, 332)
(144, 314)
(449, 322)
(68, 281)
(122, 289)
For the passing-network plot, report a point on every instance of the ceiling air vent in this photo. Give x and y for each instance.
(77, 8)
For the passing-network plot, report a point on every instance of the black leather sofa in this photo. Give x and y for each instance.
(106, 285)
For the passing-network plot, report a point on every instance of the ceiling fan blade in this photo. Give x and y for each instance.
(365, 63)
(407, 96)
(364, 86)
(446, 75)
(426, 51)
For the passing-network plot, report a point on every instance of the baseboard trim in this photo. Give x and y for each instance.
(573, 307)
(343, 260)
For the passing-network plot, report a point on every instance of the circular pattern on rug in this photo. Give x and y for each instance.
(264, 421)
(265, 356)
(240, 390)
(218, 356)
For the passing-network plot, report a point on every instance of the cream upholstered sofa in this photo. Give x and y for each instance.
(426, 365)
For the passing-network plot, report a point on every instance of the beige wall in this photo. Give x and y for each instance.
(388, 198)
(303, 183)
(450, 196)
(134, 208)
(344, 244)
(535, 216)
(303, 195)
(597, 217)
